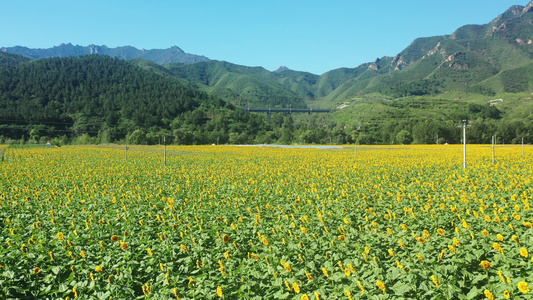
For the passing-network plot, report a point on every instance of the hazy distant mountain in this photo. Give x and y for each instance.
(160, 56)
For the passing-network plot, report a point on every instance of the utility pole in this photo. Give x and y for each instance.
(493, 142)
(165, 151)
(464, 143)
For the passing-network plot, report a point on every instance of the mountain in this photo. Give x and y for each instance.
(245, 86)
(471, 59)
(483, 59)
(96, 98)
(160, 56)
(7, 59)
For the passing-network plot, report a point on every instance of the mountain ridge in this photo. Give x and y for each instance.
(160, 56)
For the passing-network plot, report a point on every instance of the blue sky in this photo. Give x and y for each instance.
(313, 36)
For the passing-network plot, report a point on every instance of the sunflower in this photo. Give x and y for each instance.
(309, 276)
(485, 264)
(489, 295)
(456, 242)
(60, 236)
(381, 285)
(500, 273)
(296, 287)
(361, 286)
(348, 294)
(497, 247)
(523, 252)
(37, 270)
(114, 238)
(441, 256)
(124, 245)
(325, 271)
(98, 269)
(287, 267)
(435, 281)
(225, 238)
(523, 287)
(391, 253)
(219, 292)
(506, 294)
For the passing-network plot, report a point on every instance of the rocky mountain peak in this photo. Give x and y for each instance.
(281, 69)
(177, 49)
(528, 7)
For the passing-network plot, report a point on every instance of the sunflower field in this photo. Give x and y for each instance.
(265, 223)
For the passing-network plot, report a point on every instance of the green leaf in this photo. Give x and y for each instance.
(479, 278)
(474, 292)
(9, 274)
(63, 287)
(56, 269)
(401, 288)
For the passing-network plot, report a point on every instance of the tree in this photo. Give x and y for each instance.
(403, 137)
(138, 137)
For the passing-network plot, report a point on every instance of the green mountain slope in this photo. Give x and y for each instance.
(246, 85)
(109, 99)
(464, 61)
(9, 60)
(461, 61)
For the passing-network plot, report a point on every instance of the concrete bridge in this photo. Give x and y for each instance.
(269, 111)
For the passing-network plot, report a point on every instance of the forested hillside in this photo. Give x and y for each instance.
(243, 85)
(108, 98)
(10, 60)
